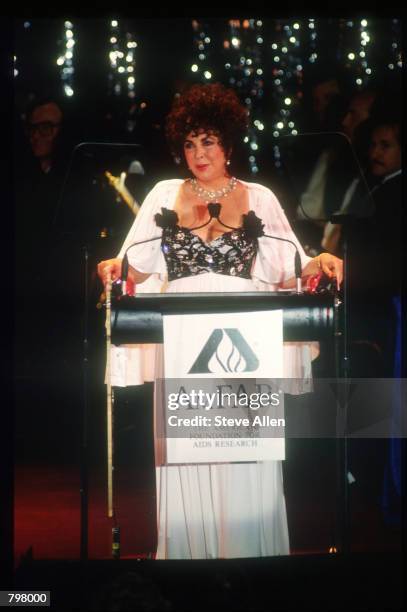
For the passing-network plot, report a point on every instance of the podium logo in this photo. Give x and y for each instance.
(225, 351)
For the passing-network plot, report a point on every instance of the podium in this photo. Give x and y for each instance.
(306, 317)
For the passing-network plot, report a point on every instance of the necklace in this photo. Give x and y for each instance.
(210, 196)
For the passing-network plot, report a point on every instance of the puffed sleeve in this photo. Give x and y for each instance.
(134, 364)
(275, 260)
(148, 257)
(275, 264)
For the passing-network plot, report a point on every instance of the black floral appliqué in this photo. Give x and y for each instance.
(214, 209)
(252, 225)
(168, 219)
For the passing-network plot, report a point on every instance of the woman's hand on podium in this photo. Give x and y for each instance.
(331, 266)
(112, 267)
(325, 264)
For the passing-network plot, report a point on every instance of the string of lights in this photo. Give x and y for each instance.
(243, 52)
(121, 77)
(65, 60)
(287, 78)
(202, 42)
(396, 60)
(359, 52)
(313, 36)
(255, 57)
(363, 70)
(26, 26)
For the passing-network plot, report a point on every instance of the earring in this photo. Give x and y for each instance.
(228, 162)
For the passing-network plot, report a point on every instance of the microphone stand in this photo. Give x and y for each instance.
(342, 365)
(84, 481)
(214, 212)
(125, 261)
(84, 487)
(297, 263)
(341, 341)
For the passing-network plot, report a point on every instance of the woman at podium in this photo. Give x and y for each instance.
(224, 510)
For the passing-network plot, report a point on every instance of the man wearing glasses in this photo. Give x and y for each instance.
(40, 163)
(43, 127)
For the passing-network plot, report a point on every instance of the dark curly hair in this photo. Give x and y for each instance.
(209, 108)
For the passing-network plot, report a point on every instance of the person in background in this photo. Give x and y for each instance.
(375, 254)
(358, 111)
(40, 170)
(43, 127)
(377, 202)
(334, 166)
(40, 165)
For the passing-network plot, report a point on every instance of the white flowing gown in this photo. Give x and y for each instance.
(228, 510)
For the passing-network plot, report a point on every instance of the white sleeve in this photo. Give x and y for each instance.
(275, 260)
(148, 257)
(134, 364)
(275, 264)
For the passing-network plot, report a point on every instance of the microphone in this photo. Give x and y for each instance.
(125, 262)
(297, 262)
(251, 224)
(254, 227)
(167, 219)
(214, 211)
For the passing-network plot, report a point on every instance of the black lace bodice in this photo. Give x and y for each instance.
(186, 254)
